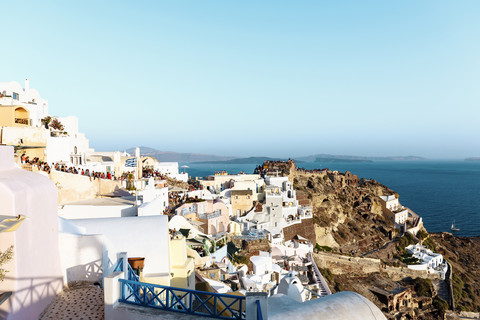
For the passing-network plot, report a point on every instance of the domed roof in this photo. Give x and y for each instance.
(338, 306)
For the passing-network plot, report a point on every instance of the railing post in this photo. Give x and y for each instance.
(256, 310)
(112, 290)
(123, 255)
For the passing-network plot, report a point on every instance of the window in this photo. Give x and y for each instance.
(15, 96)
(236, 197)
(248, 197)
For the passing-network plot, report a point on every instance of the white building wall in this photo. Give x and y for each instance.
(275, 181)
(61, 148)
(146, 237)
(154, 207)
(401, 217)
(167, 168)
(95, 212)
(34, 275)
(81, 257)
(29, 98)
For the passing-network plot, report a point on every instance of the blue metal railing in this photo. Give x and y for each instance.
(259, 311)
(199, 303)
(119, 266)
(132, 275)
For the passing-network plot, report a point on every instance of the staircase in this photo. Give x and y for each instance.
(323, 290)
(441, 287)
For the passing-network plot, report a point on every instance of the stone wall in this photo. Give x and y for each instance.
(305, 229)
(26, 136)
(74, 187)
(253, 245)
(339, 264)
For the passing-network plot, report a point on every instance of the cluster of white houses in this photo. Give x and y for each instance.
(50, 251)
(26, 124)
(100, 237)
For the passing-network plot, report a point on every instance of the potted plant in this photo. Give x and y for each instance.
(46, 121)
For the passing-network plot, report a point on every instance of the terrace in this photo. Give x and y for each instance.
(124, 289)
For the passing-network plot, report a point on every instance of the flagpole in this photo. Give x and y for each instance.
(137, 156)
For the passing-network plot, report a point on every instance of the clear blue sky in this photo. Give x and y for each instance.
(277, 78)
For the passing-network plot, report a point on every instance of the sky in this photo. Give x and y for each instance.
(256, 78)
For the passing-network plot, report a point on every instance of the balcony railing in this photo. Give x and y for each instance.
(194, 302)
(209, 215)
(21, 121)
(131, 274)
(259, 310)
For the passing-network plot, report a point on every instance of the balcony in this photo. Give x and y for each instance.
(22, 121)
(208, 216)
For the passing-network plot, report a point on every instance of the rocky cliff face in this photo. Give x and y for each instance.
(347, 211)
(349, 218)
(463, 253)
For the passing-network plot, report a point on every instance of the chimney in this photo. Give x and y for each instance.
(27, 84)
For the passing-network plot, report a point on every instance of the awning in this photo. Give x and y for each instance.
(9, 223)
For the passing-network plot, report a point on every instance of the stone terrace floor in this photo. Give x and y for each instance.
(79, 301)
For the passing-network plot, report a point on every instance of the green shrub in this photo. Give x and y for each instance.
(429, 243)
(327, 274)
(322, 248)
(439, 304)
(422, 234)
(5, 257)
(405, 241)
(240, 259)
(423, 287)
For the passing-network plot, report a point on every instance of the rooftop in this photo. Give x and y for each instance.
(122, 201)
(84, 300)
(242, 192)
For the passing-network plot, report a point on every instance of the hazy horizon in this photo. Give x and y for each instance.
(273, 78)
(286, 156)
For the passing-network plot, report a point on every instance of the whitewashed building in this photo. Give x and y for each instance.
(280, 209)
(399, 212)
(171, 169)
(12, 94)
(70, 148)
(429, 261)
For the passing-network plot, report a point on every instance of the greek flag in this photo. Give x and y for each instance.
(131, 162)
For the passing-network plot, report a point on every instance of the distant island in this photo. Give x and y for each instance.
(170, 156)
(252, 160)
(473, 159)
(337, 160)
(344, 158)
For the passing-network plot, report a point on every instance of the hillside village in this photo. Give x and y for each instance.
(142, 239)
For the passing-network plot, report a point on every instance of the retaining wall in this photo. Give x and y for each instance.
(339, 264)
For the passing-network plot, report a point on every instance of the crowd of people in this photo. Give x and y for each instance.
(147, 173)
(312, 170)
(37, 164)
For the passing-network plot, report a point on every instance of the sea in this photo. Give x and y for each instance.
(440, 191)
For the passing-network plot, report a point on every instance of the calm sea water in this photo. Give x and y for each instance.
(439, 191)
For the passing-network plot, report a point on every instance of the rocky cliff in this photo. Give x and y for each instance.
(348, 215)
(349, 219)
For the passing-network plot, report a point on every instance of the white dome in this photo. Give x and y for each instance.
(338, 306)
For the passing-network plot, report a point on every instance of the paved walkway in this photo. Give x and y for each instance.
(82, 302)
